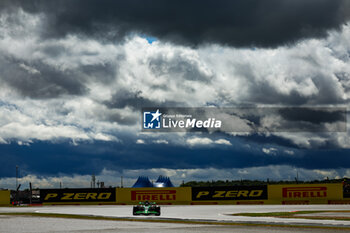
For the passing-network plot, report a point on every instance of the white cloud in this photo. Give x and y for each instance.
(203, 141)
(270, 151)
(160, 141)
(140, 141)
(25, 127)
(199, 141)
(223, 142)
(314, 71)
(30, 70)
(289, 152)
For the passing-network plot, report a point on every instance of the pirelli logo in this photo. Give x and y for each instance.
(153, 195)
(77, 195)
(304, 192)
(230, 193)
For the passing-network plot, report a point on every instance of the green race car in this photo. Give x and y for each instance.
(146, 208)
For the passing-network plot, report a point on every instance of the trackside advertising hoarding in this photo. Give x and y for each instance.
(77, 195)
(324, 193)
(226, 193)
(259, 194)
(4, 197)
(159, 195)
(305, 193)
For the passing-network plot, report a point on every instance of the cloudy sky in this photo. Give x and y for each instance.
(75, 74)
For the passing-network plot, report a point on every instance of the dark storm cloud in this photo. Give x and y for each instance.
(296, 119)
(177, 66)
(327, 93)
(237, 23)
(264, 92)
(314, 115)
(124, 98)
(120, 119)
(102, 73)
(38, 80)
(54, 159)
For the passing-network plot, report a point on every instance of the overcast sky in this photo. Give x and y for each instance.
(75, 74)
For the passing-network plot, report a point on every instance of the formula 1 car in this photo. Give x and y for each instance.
(146, 208)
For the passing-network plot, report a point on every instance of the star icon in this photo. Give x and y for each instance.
(156, 115)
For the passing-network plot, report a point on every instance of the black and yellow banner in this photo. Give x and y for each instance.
(230, 193)
(78, 195)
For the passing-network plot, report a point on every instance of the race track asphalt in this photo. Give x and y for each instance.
(199, 214)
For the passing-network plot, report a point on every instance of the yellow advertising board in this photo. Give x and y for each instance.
(4, 197)
(305, 193)
(162, 196)
(325, 193)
